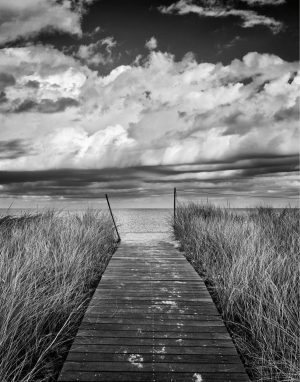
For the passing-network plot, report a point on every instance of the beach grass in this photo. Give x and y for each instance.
(49, 266)
(250, 262)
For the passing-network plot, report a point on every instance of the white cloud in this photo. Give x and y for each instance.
(27, 18)
(89, 54)
(160, 113)
(151, 44)
(97, 53)
(250, 18)
(109, 43)
(42, 75)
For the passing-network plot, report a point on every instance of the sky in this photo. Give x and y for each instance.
(135, 97)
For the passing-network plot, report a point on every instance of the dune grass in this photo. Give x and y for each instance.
(49, 265)
(250, 262)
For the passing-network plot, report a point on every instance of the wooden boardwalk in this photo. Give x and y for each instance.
(152, 319)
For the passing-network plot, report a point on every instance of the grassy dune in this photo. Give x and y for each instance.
(49, 265)
(251, 263)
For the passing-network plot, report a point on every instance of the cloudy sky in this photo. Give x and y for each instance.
(135, 97)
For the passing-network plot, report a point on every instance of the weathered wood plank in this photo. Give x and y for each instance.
(150, 300)
(157, 317)
(151, 334)
(164, 327)
(147, 295)
(135, 362)
(136, 349)
(115, 376)
(161, 309)
(152, 342)
(168, 303)
(118, 322)
(149, 357)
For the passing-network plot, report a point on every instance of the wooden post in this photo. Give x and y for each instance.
(174, 205)
(119, 238)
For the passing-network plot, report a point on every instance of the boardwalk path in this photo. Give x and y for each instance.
(152, 319)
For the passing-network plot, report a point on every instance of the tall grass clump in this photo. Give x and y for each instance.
(49, 264)
(251, 263)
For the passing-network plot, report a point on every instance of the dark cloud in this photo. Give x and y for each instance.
(3, 97)
(246, 80)
(136, 182)
(237, 123)
(292, 77)
(32, 84)
(71, 176)
(46, 105)
(6, 80)
(49, 106)
(248, 164)
(26, 105)
(292, 113)
(12, 149)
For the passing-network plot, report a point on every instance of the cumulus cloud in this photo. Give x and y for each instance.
(109, 43)
(97, 53)
(215, 9)
(26, 18)
(90, 54)
(38, 75)
(231, 120)
(151, 44)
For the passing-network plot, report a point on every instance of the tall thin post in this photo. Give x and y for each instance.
(174, 205)
(119, 238)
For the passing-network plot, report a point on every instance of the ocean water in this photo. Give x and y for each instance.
(129, 219)
(143, 220)
(144, 225)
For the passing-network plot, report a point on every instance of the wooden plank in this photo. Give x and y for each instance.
(151, 318)
(137, 376)
(157, 320)
(156, 277)
(199, 283)
(152, 342)
(156, 317)
(213, 322)
(161, 286)
(162, 295)
(155, 309)
(159, 327)
(135, 362)
(110, 295)
(168, 303)
(139, 288)
(152, 300)
(159, 291)
(151, 334)
(149, 357)
(159, 349)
